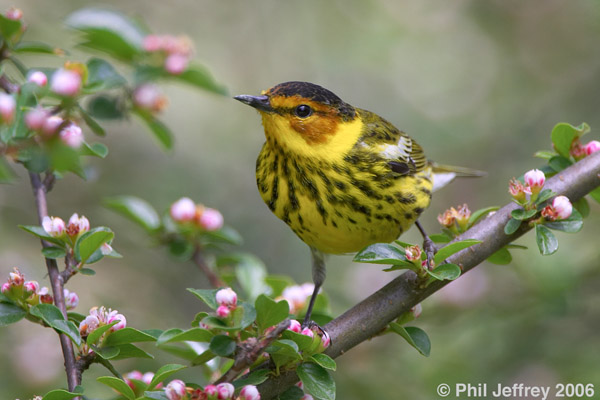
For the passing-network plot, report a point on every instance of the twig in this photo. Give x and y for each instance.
(373, 314)
(250, 350)
(199, 260)
(56, 282)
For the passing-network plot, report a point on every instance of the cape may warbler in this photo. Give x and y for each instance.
(341, 177)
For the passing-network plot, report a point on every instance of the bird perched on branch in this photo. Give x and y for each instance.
(341, 177)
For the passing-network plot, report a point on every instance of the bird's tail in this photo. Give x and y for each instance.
(444, 174)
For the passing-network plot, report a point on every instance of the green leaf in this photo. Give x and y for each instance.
(163, 373)
(87, 271)
(9, 27)
(595, 194)
(199, 76)
(204, 358)
(284, 347)
(91, 241)
(324, 361)
(571, 225)
(511, 226)
(94, 149)
(440, 238)
(91, 123)
(10, 313)
(522, 214)
(453, 248)
(226, 234)
(106, 353)
(316, 381)
(251, 272)
(544, 154)
(53, 252)
(582, 206)
(255, 378)
(269, 312)
(105, 106)
(119, 385)
(7, 175)
(35, 47)
(278, 283)
(130, 351)
(136, 209)
(155, 395)
(69, 329)
(445, 272)
(558, 163)
(52, 316)
(181, 248)
(178, 335)
(41, 233)
(160, 130)
(97, 333)
(60, 394)
(207, 296)
(477, 215)
(102, 75)
(222, 345)
(381, 253)
(501, 257)
(128, 335)
(544, 195)
(109, 32)
(563, 135)
(416, 337)
(293, 393)
(303, 341)
(546, 240)
(64, 158)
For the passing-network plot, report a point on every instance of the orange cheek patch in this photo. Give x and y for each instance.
(315, 129)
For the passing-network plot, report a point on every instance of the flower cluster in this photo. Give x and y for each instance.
(227, 300)
(48, 126)
(185, 210)
(56, 227)
(100, 316)
(456, 220)
(322, 341)
(297, 296)
(29, 293)
(146, 378)
(177, 390)
(173, 51)
(579, 151)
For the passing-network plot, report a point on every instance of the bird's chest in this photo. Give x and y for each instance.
(340, 207)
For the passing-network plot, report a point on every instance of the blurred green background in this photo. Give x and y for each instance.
(477, 83)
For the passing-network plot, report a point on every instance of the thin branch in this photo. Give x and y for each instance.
(56, 282)
(250, 350)
(199, 260)
(373, 314)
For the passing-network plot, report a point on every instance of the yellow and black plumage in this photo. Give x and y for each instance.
(341, 177)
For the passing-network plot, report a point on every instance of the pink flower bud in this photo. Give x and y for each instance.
(211, 391)
(5, 287)
(88, 325)
(31, 287)
(119, 325)
(249, 392)
(106, 249)
(71, 299)
(226, 297)
(562, 206)
(183, 210)
(325, 340)
(308, 332)
(149, 97)
(592, 147)
(39, 78)
(65, 82)
(54, 226)
(152, 43)
(223, 311)
(36, 118)
(8, 106)
(413, 253)
(176, 64)
(300, 385)
(72, 136)
(295, 326)
(416, 310)
(77, 225)
(51, 125)
(211, 219)
(14, 13)
(535, 180)
(137, 375)
(16, 278)
(175, 390)
(225, 391)
(147, 377)
(518, 191)
(307, 397)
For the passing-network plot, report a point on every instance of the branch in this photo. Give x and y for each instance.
(373, 314)
(56, 281)
(199, 260)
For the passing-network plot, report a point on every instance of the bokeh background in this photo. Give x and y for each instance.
(477, 83)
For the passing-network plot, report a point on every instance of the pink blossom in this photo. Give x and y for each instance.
(592, 147)
(72, 136)
(71, 299)
(52, 124)
(88, 325)
(307, 397)
(147, 377)
(152, 43)
(38, 77)
(119, 325)
(149, 97)
(36, 118)
(413, 253)
(562, 206)
(31, 287)
(8, 106)
(77, 225)
(225, 391)
(295, 326)
(308, 332)
(16, 278)
(211, 220)
(183, 210)
(417, 310)
(226, 297)
(5, 287)
(249, 392)
(54, 226)
(535, 180)
(223, 311)
(211, 391)
(14, 13)
(176, 64)
(106, 249)
(65, 82)
(45, 296)
(175, 390)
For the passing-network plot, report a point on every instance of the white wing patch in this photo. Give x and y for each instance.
(401, 150)
(441, 179)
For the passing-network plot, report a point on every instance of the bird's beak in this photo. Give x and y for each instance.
(261, 103)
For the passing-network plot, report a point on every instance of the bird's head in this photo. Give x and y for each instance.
(299, 114)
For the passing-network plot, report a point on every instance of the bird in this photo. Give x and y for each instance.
(341, 177)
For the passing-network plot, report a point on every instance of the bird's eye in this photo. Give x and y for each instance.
(303, 111)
